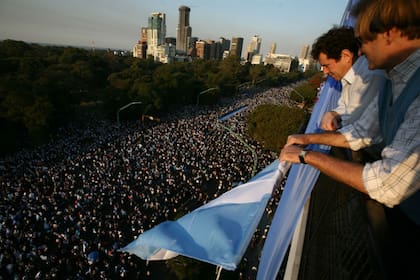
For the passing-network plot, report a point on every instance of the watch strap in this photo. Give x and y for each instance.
(302, 155)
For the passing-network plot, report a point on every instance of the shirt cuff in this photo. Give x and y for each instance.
(355, 143)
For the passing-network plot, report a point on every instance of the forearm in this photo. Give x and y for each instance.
(331, 138)
(349, 173)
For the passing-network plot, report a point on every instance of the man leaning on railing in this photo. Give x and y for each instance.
(389, 32)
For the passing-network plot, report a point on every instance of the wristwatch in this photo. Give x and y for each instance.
(302, 155)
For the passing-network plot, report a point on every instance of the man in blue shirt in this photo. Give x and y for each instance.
(389, 31)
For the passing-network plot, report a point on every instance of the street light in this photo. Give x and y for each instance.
(203, 92)
(242, 86)
(125, 107)
(301, 96)
(254, 153)
(259, 81)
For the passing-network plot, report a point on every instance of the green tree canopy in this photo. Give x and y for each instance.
(271, 124)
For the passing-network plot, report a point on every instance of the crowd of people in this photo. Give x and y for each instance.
(68, 206)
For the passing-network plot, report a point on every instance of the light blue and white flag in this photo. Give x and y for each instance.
(300, 181)
(218, 232)
(299, 184)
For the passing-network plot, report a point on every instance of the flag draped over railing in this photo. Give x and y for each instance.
(299, 184)
(300, 181)
(218, 232)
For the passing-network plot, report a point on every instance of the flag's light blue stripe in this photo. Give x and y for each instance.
(213, 235)
(298, 187)
(218, 232)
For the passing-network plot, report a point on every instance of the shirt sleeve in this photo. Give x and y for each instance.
(365, 131)
(397, 175)
(341, 107)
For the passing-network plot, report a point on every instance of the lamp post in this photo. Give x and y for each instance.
(242, 86)
(254, 153)
(301, 96)
(125, 107)
(259, 81)
(203, 92)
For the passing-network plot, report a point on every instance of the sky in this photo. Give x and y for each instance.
(116, 24)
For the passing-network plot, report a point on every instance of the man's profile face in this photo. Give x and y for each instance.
(375, 52)
(334, 68)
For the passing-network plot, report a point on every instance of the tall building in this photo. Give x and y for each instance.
(253, 48)
(236, 46)
(143, 33)
(202, 49)
(156, 32)
(304, 52)
(273, 48)
(192, 45)
(225, 43)
(305, 61)
(183, 30)
(140, 49)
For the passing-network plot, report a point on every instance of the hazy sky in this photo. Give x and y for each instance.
(116, 24)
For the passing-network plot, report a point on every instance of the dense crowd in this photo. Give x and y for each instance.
(68, 206)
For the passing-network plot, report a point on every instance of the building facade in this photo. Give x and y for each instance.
(184, 30)
(285, 63)
(140, 49)
(156, 32)
(273, 48)
(304, 52)
(202, 49)
(236, 46)
(305, 60)
(253, 48)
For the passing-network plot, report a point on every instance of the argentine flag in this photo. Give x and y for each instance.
(300, 181)
(297, 190)
(218, 232)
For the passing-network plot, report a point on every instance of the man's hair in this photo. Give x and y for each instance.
(334, 41)
(378, 16)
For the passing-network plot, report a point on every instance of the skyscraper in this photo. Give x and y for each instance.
(305, 60)
(183, 30)
(253, 48)
(273, 48)
(222, 46)
(304, 52)
(236, 46)
(156, 32)
(143, 33)
(140, 49)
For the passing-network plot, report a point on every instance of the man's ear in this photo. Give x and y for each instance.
(391, 35)
(347, 55)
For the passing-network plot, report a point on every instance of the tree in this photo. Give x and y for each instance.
(256, 72)
(271, 124)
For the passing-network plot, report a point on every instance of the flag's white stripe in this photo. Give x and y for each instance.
(218, 232)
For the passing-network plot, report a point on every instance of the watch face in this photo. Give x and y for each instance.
(302, 155)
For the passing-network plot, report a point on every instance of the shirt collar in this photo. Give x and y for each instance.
(358, 66)
(407, 68)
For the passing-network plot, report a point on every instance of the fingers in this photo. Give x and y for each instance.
(296, 139)
(290, 154)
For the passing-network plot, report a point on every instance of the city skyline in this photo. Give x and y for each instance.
(117, 24)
